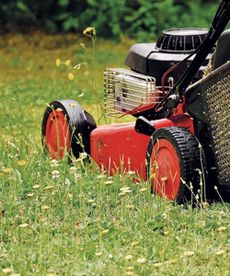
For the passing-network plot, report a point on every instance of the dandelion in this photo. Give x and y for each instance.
(49, 187)
(91, 200)
(82, 45)
(67, 182)
(188, 254)
(90, 32)
(129, 273)
(100, 176)
(157, 264)
(106, 231)
(55, 174)
(24, 225)
(67, 62)
(141, 260)
(8, 270)
(220, 252)
(72, 170)
(172, 261)
(129, 206)
(143, 190)
(124, 191)
(21, 162)
(54, 163)
(58, 62)
(70, 196)
(222, 228)
(7, 170)
(128, 257)
(83, 155)
(70, 76)
(77, 176)
(108, 182)
(1, 174)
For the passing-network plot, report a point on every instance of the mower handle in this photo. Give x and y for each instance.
(219, 22)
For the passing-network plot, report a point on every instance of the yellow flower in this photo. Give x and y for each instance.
(21, 162)
(1, 174)
(220, 252)
(141, 260)
(58, 62)
(36, 186)
(70, 76)
(222, 228)
(82, 45)
(129, 206)
(67, 62)
(188, 254)
(23, 225)
(143, 190)
(129, 273)
(7, 170)
(103, 232)
(7, 270)
(89, 31)
(128, 257)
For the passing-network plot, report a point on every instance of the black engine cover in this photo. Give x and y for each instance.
(173, 46)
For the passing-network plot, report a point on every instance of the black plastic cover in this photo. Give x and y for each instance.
(173, 46)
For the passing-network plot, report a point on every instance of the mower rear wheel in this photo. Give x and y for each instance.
(66, 127)
(172, 163)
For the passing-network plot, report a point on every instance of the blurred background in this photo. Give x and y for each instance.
(139, 19)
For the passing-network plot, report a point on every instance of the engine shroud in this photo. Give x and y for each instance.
(173, 46)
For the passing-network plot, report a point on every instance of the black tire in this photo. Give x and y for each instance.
(183, 144)
(80, 125)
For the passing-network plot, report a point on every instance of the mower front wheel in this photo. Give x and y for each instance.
(172, 163)
(66, 128)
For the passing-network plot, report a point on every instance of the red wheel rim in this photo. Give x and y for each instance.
(57, 134)
(165, 169)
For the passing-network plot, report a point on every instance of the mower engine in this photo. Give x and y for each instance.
(136, 90)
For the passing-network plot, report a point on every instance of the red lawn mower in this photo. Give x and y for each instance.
(181, 136)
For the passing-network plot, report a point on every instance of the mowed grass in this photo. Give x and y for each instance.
(61, 219)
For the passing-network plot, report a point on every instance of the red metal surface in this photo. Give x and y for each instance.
(119, 146)
(57, 134)
(165, 169)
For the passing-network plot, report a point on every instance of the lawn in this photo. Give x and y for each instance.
(58, 219)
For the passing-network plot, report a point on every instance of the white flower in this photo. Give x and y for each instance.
(67, 182)
(55, 174)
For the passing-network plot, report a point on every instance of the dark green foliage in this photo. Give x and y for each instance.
(140, 19)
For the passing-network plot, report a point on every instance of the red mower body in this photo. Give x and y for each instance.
(119, 147)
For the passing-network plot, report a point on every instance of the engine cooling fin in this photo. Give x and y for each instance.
(213, 93)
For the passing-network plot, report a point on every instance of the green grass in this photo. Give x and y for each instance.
(78, 221)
